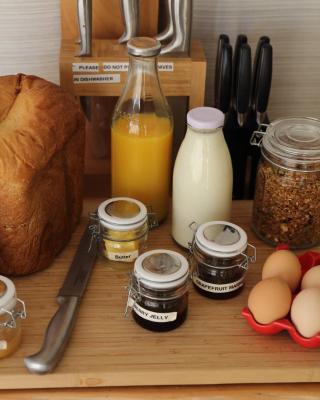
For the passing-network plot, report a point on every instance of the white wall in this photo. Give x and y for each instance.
(294, 29)
(30, 37)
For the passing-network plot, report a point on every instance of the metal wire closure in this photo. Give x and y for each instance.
(152, 218)
(257, 136)
(14, 315)
(133, 295)
(94, 229)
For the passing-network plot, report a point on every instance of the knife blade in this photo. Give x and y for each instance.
(61, 325)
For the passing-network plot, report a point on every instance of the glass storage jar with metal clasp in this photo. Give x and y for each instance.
(12, 310)
(219, 259)
(158, 290)
(123, 227)
(286, 206)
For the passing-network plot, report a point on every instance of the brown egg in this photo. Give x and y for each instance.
(311, 278)
(305, 312)
(283, 264)
(269, 300)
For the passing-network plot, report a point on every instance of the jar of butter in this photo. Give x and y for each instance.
(219, 259)
(158, 290)
(123, 224)
(12, 310)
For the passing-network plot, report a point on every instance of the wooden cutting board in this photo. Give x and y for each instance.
(214, 346)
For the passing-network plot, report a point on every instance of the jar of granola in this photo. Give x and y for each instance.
(286, 205)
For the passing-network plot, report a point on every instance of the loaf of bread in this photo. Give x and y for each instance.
(41, 170)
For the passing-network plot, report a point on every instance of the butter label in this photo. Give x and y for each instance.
(128, 256)
(151, 315)
(213, 288)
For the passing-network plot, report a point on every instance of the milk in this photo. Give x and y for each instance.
(202, 177)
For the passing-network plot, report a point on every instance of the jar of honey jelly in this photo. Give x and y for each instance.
(158, 291)
(220, 260)
(12, 310)
(123, 228)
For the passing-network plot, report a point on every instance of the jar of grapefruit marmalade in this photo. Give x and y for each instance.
(220, 259)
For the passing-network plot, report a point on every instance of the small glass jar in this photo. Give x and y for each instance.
(12, 310)
(123, 228)
(220, 259)
(286, 207)
(158, 290)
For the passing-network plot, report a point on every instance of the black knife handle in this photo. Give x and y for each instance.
(224, 79)
(241, 39)
(262, 40)
(243, 79)
(264, 78)
(223, 40)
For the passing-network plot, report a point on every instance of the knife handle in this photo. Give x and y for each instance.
(56, 337)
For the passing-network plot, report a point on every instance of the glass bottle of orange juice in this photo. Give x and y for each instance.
(141, 132)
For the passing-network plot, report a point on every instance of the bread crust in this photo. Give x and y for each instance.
(41, 172)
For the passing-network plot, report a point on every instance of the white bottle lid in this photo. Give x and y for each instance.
(221, 239)
(122, 213)
(8, 298)
(205, 118)
(161, 269)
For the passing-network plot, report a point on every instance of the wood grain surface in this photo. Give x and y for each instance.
(214, 345)
(187, 79)
(219, 392)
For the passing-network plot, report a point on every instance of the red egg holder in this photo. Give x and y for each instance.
(307, 261)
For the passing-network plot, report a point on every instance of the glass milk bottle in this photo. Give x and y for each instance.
(141, 132)
(202, 175)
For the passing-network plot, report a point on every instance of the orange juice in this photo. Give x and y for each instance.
(141, 160)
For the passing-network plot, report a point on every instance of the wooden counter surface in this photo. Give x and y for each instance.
(214, 346)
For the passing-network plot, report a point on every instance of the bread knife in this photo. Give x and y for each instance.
(61, 325)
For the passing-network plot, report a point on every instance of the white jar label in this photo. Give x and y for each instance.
(151, 315)
(85, 67)
(128, 256)
(115, 66)
(213, 288)
(99, 78)
(3, 345)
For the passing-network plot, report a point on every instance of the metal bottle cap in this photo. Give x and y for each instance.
(143, 46)
(161, 269)
(8, 297)
(122, 213)
(221, 239)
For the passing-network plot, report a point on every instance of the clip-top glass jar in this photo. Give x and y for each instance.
(220, 259)
(123, 228)
(141, 132)
(286, 205)
(12, 310)
(158, 291)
